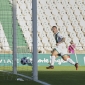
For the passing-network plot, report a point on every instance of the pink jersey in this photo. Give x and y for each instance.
(71, 48)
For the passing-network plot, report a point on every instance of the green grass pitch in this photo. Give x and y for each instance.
(60, 75)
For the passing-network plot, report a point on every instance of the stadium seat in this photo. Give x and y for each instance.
(77, 12)
(69, 29)
(27, 34)
(72, 17)
(79, 17)
(77, 29)
(69, 12)
(67, 6)
(50, 36)
(82, 40)
(84, 47)
(74, 7)
(48, 13)
(79, 2)
(72, 34)
(83, 29)
(65, 34)
(39, 11)
(79, 46)
(25, 12)
(45, 41)
(67, 40)
(25, 29)
(20, 18)
(43, 3)
(45, 24)
(28, 5)
(71, 2)
(57, 17)
(59, 7)
(82, 23)
(81, 7)
(22, 22)
(40, 45)
(47, 30)
(49, 18)
(62, 29)
(47, 47)
(60, 23)
(64, 2)
(75, 40)
(43, 19)
(75, 23)
(29, 40)
(45, 8)
(57, 2)
(52, 7)
(80, 34)
(62, 12)
(52, 42)
(27, 17)
(40, 28)
(65, 17)
(67, 23)
(22, 6)
(54, 12)
(53, 23)
(18, 10)
(20, 2)
(42, 34)
(27, 1)
(29, 25)
(83, 12)
(30, 46)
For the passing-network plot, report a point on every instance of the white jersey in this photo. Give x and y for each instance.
(58, 37)
(61, 48)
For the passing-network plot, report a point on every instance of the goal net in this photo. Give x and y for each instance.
(23, 36)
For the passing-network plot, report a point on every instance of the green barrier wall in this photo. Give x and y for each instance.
(43, 59)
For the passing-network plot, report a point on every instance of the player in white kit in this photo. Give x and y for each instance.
(60, 50)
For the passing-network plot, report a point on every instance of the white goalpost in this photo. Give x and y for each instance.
(34, 26)
(14, 37)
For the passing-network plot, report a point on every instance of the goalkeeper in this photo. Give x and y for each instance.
(60, 50)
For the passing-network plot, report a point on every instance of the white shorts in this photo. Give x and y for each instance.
(61, 48)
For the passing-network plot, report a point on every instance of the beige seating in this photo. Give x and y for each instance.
(65, 14)
(3, 40)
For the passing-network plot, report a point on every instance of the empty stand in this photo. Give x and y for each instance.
(6, 21)
(67, 15)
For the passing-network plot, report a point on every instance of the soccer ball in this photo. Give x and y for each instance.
(24, 61)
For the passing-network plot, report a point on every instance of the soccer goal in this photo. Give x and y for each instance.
(16, 25)
(13, 38)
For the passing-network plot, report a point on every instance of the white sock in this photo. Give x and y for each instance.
(52, 60)
(71, 61)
